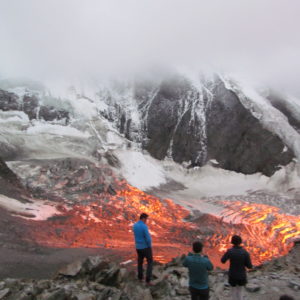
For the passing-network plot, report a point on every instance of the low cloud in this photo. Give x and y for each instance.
(60, 39)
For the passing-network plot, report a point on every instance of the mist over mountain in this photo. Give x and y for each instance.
(74, 41)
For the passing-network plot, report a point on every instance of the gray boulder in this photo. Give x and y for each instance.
(4, 293)
(9, 101)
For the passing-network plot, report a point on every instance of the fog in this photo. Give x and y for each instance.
(48, 40)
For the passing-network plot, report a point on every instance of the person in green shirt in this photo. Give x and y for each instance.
(198, 266)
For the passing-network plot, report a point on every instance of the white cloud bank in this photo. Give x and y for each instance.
(67, 39)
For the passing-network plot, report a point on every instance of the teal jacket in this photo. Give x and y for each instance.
(198, 266)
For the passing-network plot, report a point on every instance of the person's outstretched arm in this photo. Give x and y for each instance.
(147, 237)
(225, 257)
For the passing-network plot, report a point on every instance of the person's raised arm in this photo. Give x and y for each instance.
(225, 257)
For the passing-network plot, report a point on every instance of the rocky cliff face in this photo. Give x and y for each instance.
(195, 122)
(190, 121)
(237, 140)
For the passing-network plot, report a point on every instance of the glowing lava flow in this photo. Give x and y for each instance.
(106, 221)
(267, 232)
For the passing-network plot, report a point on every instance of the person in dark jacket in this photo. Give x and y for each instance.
(198, 266)
(239, 260)
(143, 244)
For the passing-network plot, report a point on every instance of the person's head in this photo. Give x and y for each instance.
(236, 240)
(144, 217)
(286, 297)
(197, 247)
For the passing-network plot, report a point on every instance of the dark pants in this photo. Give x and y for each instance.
(235, 282)
(199, 294)
(145, 253)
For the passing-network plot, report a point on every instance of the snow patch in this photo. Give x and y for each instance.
(84, 108)
(39, 209)
(141, 170)
(114, 139)
(60, 130)
(13, 117)
(209, 181)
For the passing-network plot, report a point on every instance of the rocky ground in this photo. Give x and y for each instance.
(97, 278)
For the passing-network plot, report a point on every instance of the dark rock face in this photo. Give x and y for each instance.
(30, 105)
(163, 116)
(237, 140)
(195, 125)
(6, 173)
(10, 184)
(197, 129)
(50, 113)
(176, 122)
(9, 101)
(188, 140)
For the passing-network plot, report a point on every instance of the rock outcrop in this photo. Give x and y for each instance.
(65, 178)
(97, 278)
(10, 183)
(9, 101)
(237, 140)
(31, 105)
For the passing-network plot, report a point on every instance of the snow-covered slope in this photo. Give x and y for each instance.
(190, 120)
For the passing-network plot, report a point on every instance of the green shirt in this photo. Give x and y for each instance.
(198, 266)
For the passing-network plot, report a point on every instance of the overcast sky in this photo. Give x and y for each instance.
(46, 39)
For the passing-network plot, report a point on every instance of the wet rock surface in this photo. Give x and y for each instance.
(97, 278)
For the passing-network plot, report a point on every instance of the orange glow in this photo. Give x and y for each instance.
(267, 233)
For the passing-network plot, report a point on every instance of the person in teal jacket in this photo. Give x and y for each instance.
(143, 245)
(198, 266)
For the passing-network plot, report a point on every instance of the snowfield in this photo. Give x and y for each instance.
(37, 210)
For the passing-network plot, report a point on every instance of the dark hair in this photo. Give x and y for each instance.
(143, 216)
(236, 240)
(286, 297)
(197, 247)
